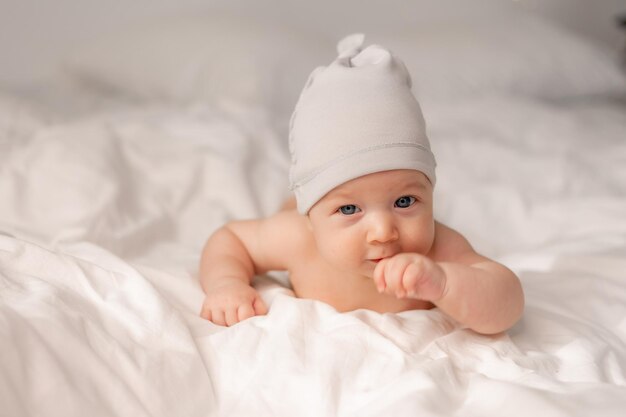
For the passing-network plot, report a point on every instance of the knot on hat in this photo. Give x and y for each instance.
(350, 45)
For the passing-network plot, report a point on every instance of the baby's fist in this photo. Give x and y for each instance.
(410, 275)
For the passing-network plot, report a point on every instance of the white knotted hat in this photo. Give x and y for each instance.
(355, 117)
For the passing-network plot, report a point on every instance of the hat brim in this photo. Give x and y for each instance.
(360, 164)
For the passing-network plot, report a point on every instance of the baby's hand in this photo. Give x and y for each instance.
(410, 275)
(231, 301)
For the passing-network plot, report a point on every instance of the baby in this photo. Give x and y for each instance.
(363, 234)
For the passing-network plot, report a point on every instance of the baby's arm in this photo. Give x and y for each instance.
(476, 291)
(226, 271)
(230, 259)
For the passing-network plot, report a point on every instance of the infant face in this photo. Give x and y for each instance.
(373, 217)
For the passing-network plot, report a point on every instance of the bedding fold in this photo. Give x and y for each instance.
(93, 335)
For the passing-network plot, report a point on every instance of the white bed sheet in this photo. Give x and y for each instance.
(103, 219)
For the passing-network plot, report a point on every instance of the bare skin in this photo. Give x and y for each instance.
(369, 243)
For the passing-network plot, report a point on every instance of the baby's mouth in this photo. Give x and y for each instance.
(377, 260)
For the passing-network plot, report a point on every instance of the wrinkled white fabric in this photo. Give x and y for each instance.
(103, 219)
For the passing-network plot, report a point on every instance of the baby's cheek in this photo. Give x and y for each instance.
(422, 239)
(339, 252)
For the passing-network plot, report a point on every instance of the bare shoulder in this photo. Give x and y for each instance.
(452, 246)
(273, 242)
(290, 225)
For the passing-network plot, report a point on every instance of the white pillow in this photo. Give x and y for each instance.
(222, 57)
(206, 57)
(512, 52)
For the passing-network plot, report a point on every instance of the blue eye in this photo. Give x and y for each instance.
(349, 209)
(405, 201)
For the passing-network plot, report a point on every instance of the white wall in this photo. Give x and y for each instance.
(35, 34)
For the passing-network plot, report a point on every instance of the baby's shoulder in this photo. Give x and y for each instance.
(288, 221)
(288, 233)
(273, 243)
(449, 245)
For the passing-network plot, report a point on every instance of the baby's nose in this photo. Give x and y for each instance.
(382, 228)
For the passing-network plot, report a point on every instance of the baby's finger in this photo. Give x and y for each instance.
(231, 316)
(245, 311)
(206, 313)
(410, 279)
(379, 275)
(393, 275)
(259, 307)
(217, 317)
